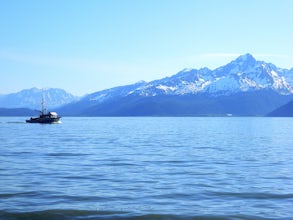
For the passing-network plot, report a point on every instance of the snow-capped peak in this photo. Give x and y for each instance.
(245, 58)
(241, 75)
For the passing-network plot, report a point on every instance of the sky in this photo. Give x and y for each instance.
(87, 46)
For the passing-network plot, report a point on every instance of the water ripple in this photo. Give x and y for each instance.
(147, 168)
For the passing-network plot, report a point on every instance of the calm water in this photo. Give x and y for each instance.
(147, 168)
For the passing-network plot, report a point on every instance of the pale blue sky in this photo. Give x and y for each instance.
(87, 46)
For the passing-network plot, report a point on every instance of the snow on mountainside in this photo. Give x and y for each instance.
(32, 98)
(244, 74)
(244, 86)
(97, 98)
(241, 75)
(116, 92)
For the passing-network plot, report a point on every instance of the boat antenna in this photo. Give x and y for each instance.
(43, 105)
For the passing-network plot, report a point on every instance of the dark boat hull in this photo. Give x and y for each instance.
(44, 120)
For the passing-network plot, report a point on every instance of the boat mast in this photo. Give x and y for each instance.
(43, 105)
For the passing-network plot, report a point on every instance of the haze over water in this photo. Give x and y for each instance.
(147, 168)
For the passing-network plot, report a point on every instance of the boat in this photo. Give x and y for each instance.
(45, 117)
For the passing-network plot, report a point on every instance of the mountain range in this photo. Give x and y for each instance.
(32, 98)
(243, 87)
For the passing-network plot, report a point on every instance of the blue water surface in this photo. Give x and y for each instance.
(148, 168)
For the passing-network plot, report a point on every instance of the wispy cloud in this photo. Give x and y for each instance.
(214, 60)
(70, 63)
(220, 55)
(90, 72)
(210, 60)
